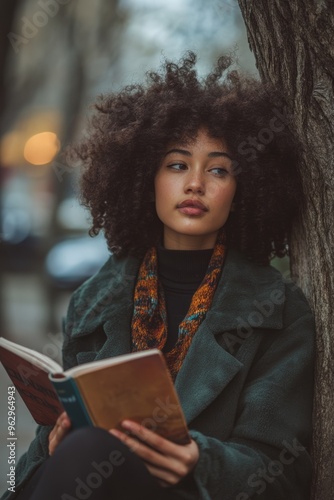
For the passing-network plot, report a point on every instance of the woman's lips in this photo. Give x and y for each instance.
(192, 207)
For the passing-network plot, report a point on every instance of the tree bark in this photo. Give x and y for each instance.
(293, 43)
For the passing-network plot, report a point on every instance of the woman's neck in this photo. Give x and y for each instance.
(183, 266)
(175, 241)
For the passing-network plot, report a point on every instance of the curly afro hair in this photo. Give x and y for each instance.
(128, 135)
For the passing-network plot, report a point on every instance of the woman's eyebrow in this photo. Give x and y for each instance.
(213, 154)
(216, 154)
(180, 151)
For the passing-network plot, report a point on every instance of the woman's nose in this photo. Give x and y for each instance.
(194, 183)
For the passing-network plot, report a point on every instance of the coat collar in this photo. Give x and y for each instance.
(244, 290)
(106, 298)
(247, 294)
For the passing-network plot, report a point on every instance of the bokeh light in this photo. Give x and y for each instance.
(41, 148)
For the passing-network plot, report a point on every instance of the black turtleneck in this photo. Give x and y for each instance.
(180, 274)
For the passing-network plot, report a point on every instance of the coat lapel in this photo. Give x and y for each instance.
(248, 295)
(108, 304)
(118, 338)
(118, 325)
(205, 372)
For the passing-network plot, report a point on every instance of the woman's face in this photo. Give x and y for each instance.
(194, 190)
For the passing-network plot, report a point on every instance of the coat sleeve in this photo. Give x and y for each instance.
(266, 455)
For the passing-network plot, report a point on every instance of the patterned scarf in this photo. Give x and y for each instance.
(149, 321)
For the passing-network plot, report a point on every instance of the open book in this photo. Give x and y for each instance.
(136, 386)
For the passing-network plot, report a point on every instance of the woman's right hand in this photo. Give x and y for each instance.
(59, 431)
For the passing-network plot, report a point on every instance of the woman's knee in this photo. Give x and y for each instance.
(85, 437)
(93, 444)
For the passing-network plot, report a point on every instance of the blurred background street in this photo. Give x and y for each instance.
(56, 56)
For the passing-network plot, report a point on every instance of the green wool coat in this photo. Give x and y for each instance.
(245, 385)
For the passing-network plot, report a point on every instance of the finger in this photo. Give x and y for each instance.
(63, 420)
(186, 456)
(62, 416)
(163, 483)
(167, 478)
(58, 433)
(150, 455)
(151, 438)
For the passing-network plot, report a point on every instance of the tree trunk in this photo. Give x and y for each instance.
(293, 43)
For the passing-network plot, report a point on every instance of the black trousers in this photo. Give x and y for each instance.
(92, 464)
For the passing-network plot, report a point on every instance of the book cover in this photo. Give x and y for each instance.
(141, 390)
(135, 386)
(34, 387)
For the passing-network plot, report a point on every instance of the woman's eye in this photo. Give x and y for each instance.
(177, 166)
(219, 171)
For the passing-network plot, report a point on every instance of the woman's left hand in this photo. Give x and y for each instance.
(166, 461)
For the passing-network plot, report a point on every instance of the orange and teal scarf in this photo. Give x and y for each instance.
(149, 321)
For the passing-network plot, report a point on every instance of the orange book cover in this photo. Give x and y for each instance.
(136, 386)
(140, 389)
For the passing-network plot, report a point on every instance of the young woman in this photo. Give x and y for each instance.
(195, 186)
